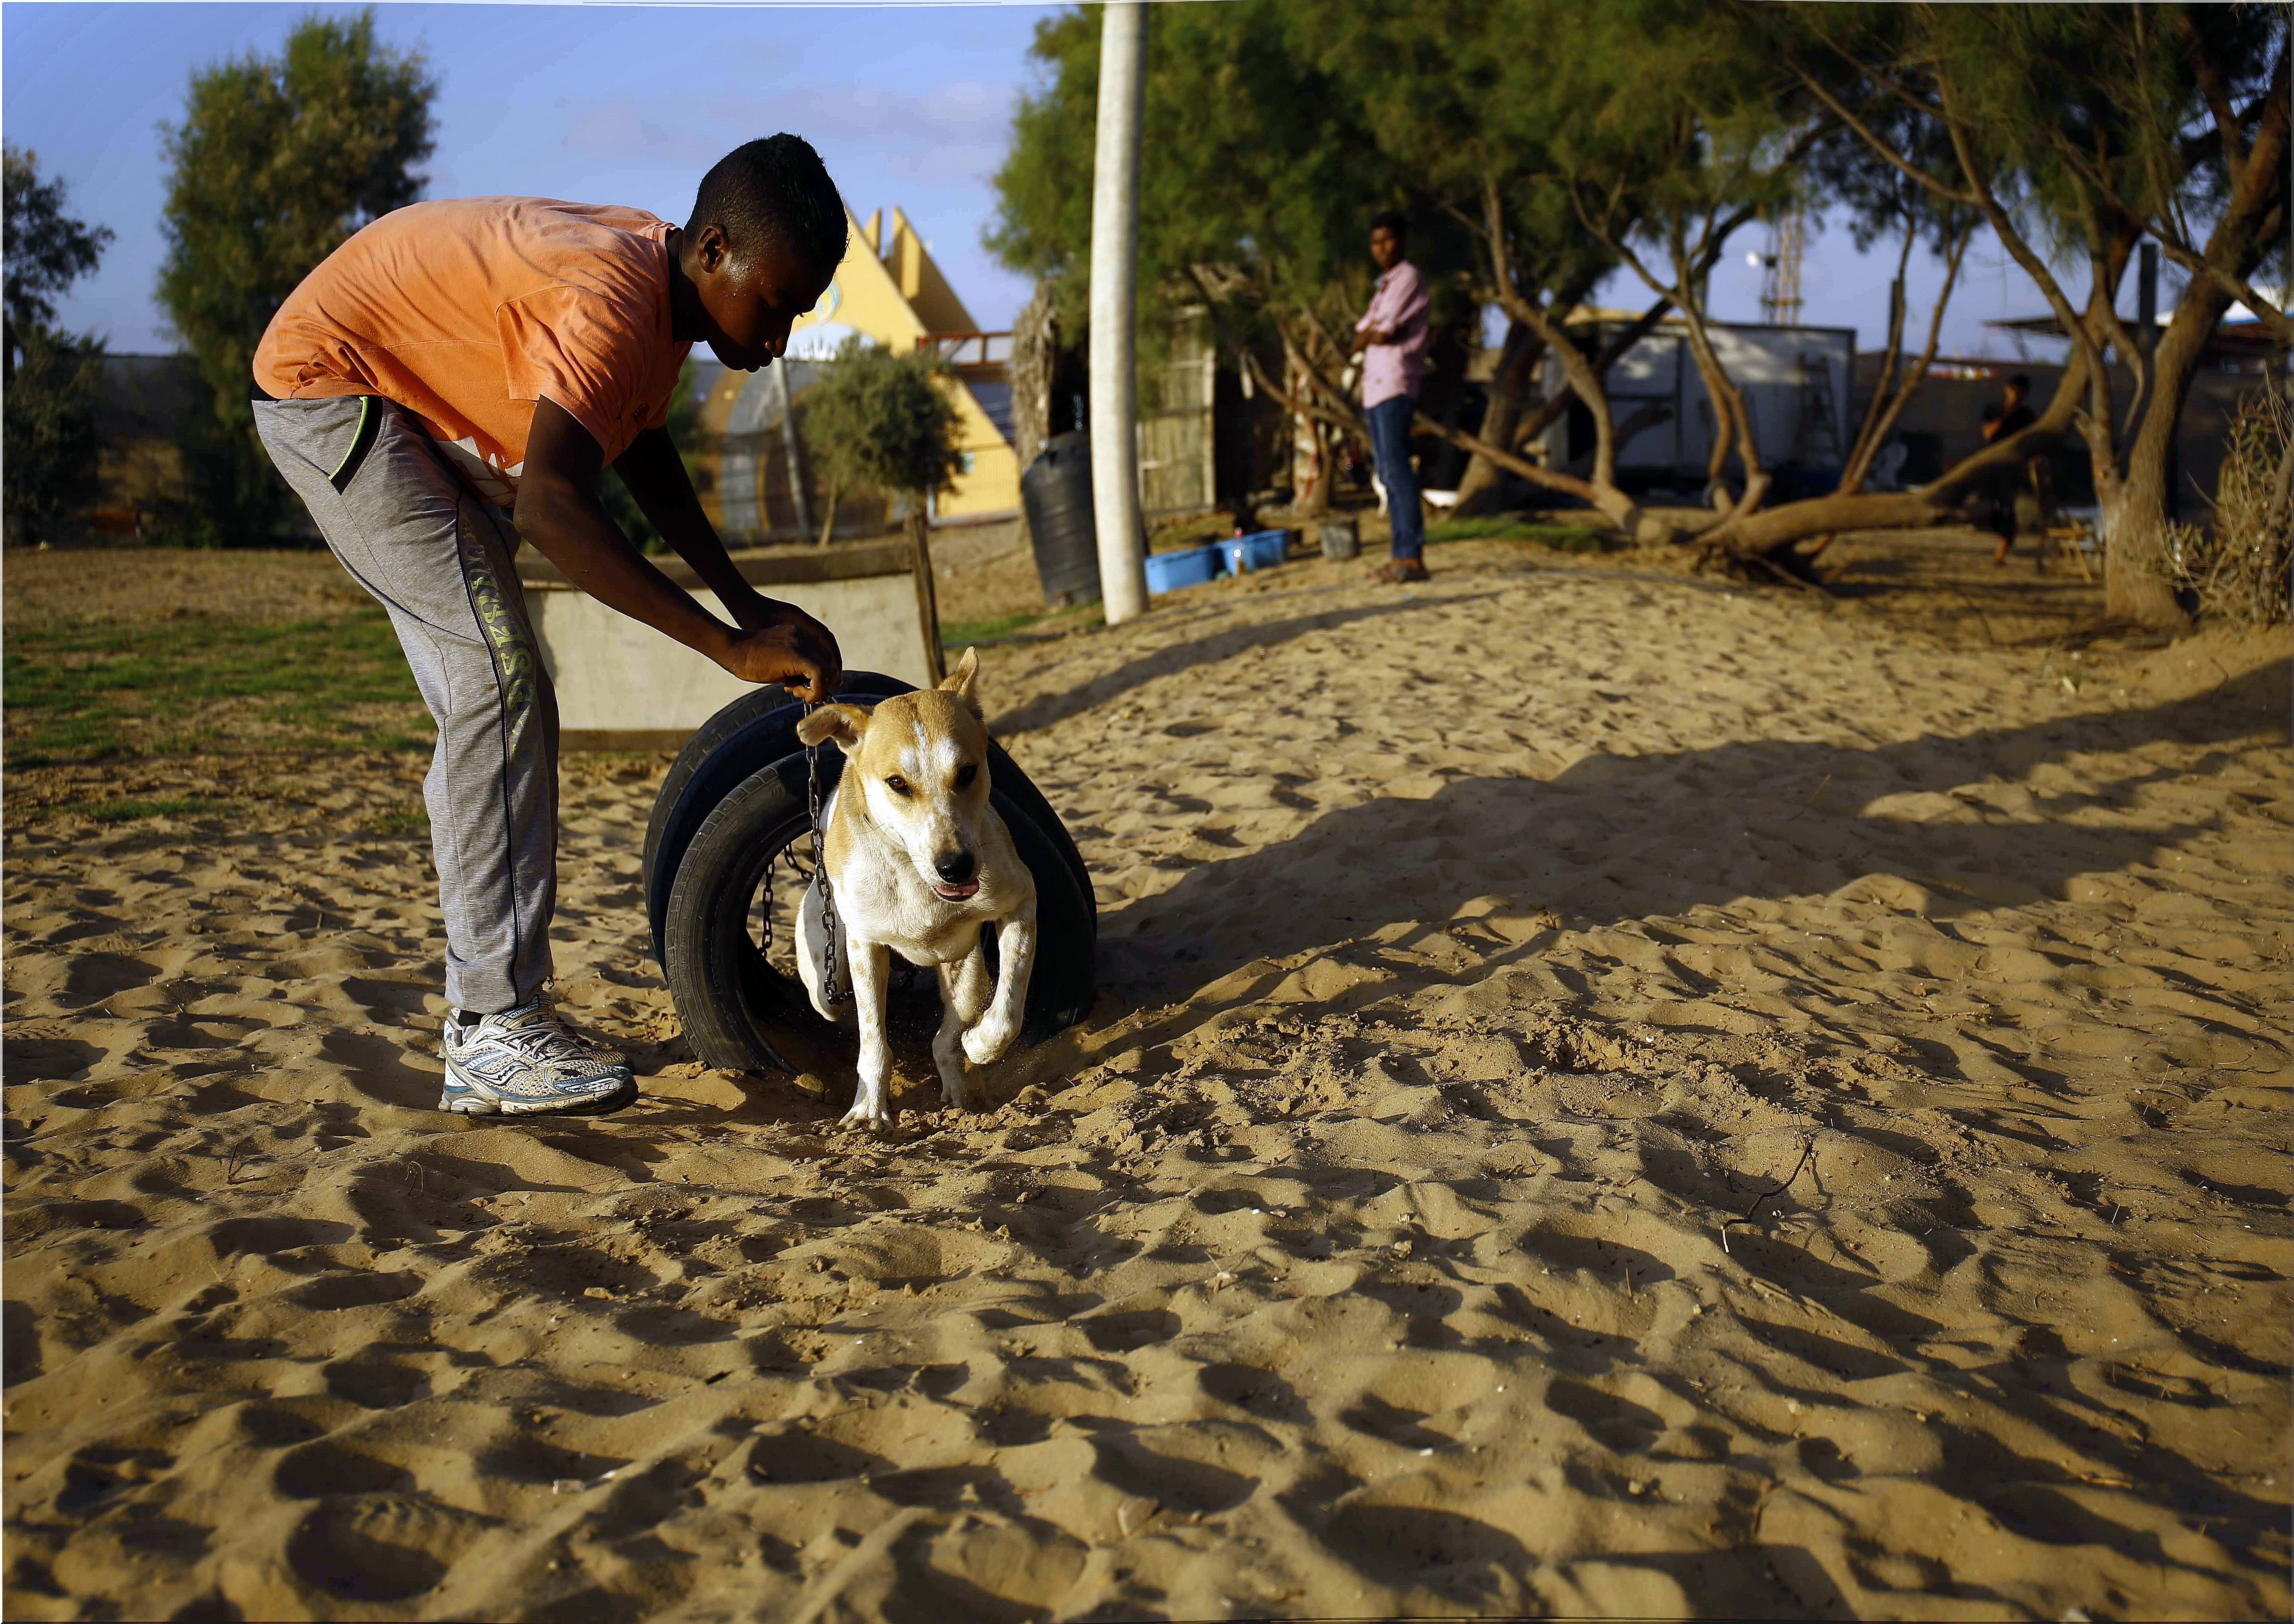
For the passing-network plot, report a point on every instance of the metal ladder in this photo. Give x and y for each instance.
(1819, 444)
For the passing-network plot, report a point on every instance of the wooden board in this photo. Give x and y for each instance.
(622, 685)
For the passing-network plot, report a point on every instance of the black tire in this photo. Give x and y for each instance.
(752, 733)
(742, 1014)
(758, 730)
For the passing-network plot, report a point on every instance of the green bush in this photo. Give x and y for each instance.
(51, 446)
(882, 422)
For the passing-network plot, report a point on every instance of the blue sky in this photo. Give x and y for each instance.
(609, 104)
(630, 104)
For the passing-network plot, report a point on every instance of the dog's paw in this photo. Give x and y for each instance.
(985, 1042)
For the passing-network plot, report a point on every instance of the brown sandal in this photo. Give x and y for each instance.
(1400, 572)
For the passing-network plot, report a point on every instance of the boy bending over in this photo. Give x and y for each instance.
(455, 378)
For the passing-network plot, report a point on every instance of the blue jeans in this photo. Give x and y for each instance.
(1389, 444)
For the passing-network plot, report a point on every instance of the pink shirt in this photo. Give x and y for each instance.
(1397, 305)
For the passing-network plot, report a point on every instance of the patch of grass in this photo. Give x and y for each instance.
(954, 635)
(78, 690)
(136, 809)
(1184, 533)
(1506, 527)
(413, 820)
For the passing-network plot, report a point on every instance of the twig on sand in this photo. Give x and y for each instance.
(1812, 795)
(1965, 597)
(1807, 1151)
(1781, 575)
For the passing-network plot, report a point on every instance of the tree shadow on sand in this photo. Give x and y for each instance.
(1617, 839)
(1051, 708)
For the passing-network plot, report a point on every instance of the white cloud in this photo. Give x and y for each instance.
(620, 128)
(952, 135)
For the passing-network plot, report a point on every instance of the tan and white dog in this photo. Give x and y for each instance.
(918, 863)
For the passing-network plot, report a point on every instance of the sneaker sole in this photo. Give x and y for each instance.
(482, 1100)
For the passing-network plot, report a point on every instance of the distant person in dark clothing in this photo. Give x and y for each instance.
(2009, 417)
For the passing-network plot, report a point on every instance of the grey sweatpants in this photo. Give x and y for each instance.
(439, 559)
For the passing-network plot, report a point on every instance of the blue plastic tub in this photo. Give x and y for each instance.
(1168, 571)
(1262, 551)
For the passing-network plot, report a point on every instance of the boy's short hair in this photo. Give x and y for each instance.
(2022, 380)
(774, 191)
(1395, 220)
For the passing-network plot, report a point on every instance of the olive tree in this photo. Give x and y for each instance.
(881, 421)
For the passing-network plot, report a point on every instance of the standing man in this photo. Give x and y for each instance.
(455, 378)
(1392, 337)
(2009, 417)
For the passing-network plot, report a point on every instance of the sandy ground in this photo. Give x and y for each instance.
(1612, 1094)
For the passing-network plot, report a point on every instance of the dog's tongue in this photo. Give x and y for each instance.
(956, 893)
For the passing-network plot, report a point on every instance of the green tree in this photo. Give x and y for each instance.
(1275, 129)
(1459, 96)
(45, 250)
(1671, 153)
(1483, 103)
(1257, 186)
(276, 161)
(882, 422)
(2074, 133)
(47, 429)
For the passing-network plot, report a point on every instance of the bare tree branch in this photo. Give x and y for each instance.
(2216, 93)
(1881, 147)
(2272, 317)
(1861, 464)
(1860, 450)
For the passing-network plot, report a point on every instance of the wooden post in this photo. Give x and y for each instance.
(927, 593)
(788, 450)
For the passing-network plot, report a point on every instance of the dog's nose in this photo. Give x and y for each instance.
(955, 868)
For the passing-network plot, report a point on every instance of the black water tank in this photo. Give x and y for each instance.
(1057, 491)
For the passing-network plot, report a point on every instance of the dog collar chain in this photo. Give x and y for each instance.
(832, 990)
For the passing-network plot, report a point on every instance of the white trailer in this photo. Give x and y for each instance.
(1796, 381)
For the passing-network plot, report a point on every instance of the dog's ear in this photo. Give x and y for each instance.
(842, 723)
(959, 681)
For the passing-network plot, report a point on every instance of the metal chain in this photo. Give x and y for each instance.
(832, 990)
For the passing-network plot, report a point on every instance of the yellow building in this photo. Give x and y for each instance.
(888, 290)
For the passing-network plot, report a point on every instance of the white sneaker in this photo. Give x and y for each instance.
(526, 1060)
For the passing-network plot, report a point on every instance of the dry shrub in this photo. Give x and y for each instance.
(2241, 572)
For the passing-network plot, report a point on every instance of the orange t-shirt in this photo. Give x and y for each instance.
(468, 312)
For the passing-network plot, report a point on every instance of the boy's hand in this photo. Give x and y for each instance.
(785, 646)
(559, 511)
(752, 611)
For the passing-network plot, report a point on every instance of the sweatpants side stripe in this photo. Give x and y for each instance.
(514, 690)
(362, 439)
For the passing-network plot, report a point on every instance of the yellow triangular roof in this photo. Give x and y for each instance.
(893, 293)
